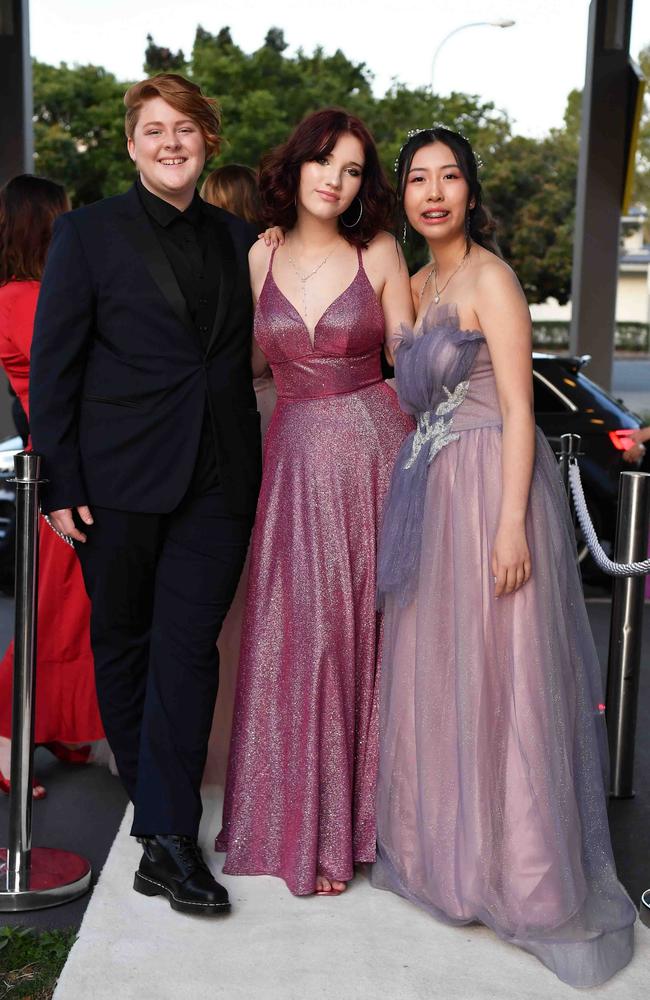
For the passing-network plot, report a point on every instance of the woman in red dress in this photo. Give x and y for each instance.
(67, 717)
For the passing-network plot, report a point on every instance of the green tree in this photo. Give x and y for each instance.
(529, 184)
(79, 130)
(530, 189)
(158, 59)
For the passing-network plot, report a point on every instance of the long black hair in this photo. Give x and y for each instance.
(480, 225)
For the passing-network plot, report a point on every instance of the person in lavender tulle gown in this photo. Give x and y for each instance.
(491, 795)
(300, 789)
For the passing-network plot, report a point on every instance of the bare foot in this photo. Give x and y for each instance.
(323, 884)
(329, 887)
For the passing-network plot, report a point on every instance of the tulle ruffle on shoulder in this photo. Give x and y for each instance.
(432, 367)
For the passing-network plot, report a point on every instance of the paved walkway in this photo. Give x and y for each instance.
(364, 945)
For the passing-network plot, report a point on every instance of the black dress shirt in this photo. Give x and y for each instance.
(189, 243)
(190, 247)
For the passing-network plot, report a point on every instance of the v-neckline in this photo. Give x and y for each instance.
(311, 336)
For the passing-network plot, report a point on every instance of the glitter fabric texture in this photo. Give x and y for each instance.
(300, 791)
(491, 794)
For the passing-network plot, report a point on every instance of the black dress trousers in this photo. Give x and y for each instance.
(160, 587)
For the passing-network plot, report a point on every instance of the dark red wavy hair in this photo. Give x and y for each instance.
(28, 207)
(316, 136)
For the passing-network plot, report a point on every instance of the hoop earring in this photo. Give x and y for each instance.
(351, 225)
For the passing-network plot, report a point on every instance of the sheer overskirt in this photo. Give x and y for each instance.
(491, 801)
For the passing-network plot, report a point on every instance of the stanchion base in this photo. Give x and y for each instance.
(54, 877)
(644, 908)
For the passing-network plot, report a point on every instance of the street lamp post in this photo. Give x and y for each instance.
(502, 22)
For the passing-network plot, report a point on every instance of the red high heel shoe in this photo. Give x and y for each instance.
(38, 791)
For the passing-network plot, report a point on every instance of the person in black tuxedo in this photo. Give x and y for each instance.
(143, 408)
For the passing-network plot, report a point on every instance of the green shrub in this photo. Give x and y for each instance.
(552, 334)
(31, 962)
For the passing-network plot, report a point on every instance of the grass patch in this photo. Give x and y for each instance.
(31, 962)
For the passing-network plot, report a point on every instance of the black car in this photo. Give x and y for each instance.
(566, 401)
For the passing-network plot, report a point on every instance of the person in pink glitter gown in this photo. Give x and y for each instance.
(300, 789)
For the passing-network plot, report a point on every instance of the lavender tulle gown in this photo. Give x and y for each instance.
(490, 802)
(300, 790)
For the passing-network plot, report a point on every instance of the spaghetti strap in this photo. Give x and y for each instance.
(360, 259)
(270, 267)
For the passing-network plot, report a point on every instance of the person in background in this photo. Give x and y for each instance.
(636, 454)
(234, 188)
(18, 416)
(67, 716)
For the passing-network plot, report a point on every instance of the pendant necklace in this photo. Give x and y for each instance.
(304, 278)
(433, 273)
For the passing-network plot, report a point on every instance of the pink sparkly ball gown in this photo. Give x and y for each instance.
(300, 790)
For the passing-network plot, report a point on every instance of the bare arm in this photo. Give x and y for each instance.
(258, 263)
(505, 320)
(396, 300)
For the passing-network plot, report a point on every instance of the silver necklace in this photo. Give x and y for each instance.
(434, 273)
(304, 278)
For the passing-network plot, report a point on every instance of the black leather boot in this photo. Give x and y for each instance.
(173, 866)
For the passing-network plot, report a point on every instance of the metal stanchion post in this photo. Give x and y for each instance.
(30, 878)
(569, 448)
(626, 630)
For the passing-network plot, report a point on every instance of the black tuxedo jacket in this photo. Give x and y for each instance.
(119, 376)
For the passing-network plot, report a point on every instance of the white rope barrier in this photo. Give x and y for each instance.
(603, 562)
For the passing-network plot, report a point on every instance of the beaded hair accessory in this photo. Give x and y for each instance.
(416, 131)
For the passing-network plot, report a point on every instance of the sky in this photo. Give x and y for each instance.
(526, 70)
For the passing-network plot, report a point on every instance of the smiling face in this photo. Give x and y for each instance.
(329, 184)
(169, 151)
(436, 193)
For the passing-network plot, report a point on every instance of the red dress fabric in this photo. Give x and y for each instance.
(66, 702)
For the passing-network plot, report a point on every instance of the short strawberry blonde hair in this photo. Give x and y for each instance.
(184, 96)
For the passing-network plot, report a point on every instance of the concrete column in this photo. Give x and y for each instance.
(601, 177)
(16, 102)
